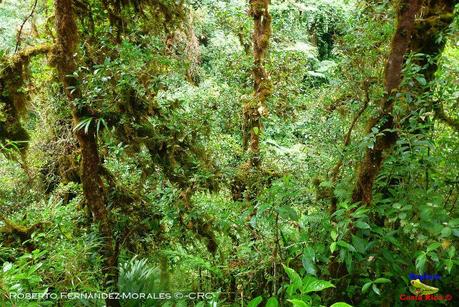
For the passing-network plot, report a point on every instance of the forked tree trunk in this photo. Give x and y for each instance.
(93, 187)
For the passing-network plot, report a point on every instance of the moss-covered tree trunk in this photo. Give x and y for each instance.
(412, 35)
(93, 187)
(370, 166)
(384, 121)
(13, 98)
(255, 109)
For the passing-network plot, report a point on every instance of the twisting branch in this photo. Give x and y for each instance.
(18, 39)
(347, 136)
(335, 172)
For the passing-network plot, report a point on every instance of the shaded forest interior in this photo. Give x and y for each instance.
(229, 152)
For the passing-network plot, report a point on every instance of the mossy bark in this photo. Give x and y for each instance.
(13, 98)
(19, 233)
(384, 121)
(255, 108)
(93, 187)
(412, 35)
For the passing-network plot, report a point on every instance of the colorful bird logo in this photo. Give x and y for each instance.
(419, 288)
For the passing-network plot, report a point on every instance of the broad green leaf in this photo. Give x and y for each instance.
(421, 80)
(421, 263)
(309, 265)
(333, 235)
(446, 232)
(449, 265)
(298, 303)
(308, 261)
(362, 225)
(255, 302)
(346, 246)
(341, 304)
(333, 247)
(272, 302)
(381, 280)
(360, 212)
(433, 246)
(366, 286)
(291, 290)
(454, 222)
(295, 279)
(359, 244)
(310, 253)
(348, 260)
(376, 289)
(434, 256)
(312, 284)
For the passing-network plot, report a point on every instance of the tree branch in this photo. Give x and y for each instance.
(18, 39)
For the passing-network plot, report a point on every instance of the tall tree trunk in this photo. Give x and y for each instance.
(384, 122)
(93, 187)
(255, 109)
(420, 36)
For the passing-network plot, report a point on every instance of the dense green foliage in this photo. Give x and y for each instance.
(162, 89)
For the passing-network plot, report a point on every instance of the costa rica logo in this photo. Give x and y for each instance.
(422, 291)
(419, 288)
